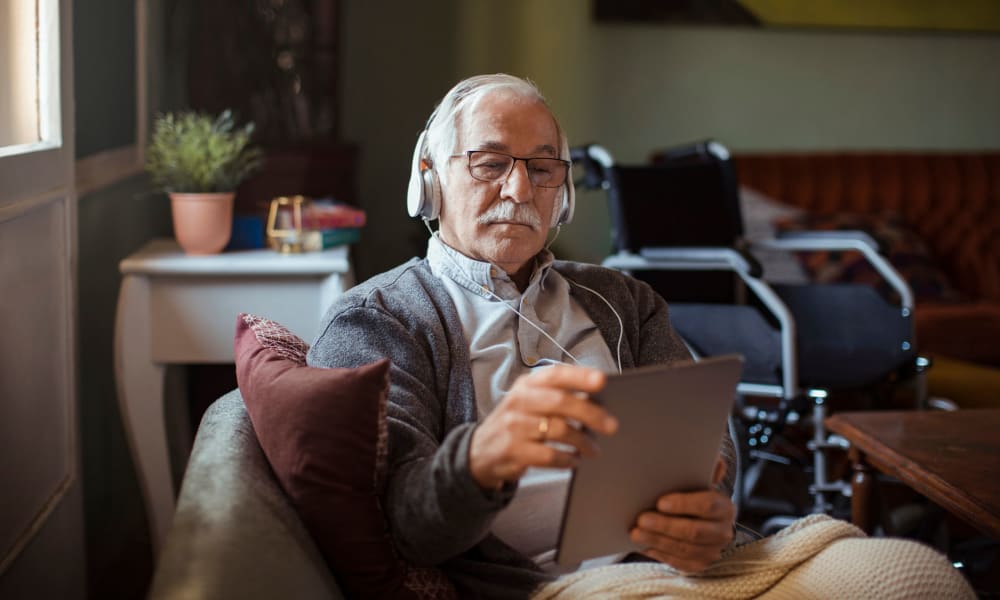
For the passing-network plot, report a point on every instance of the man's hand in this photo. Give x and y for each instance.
(538, 409)
(688, 531)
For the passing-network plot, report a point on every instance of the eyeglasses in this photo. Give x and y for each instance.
(490, 165)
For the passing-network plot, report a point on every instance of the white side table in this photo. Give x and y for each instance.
(178, 309)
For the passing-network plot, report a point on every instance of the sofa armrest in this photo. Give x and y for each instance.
(234, 533)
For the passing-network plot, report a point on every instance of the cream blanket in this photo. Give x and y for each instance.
(815, 557)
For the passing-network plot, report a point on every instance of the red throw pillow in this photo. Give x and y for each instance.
(324, 434)
(902, 246)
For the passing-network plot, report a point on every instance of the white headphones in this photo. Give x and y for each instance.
(423, 196)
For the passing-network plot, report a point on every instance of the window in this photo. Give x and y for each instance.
(29, 67)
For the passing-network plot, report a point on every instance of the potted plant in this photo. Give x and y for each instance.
(198, 160)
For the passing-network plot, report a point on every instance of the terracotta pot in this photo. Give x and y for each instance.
(202, 222)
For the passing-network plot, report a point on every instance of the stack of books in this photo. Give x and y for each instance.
(332, 224)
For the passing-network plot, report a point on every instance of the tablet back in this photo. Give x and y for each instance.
(671, 421)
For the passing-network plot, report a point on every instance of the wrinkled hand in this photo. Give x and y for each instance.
(535, 411)
(688, 531)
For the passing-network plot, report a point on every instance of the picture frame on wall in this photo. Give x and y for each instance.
(956, 16)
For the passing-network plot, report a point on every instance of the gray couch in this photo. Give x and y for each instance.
(234, 533)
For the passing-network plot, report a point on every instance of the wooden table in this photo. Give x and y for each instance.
(952, 458)
(179, 309)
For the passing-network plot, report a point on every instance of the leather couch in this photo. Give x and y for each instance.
(234, 532)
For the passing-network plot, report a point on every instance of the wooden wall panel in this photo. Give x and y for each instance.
(37, 431)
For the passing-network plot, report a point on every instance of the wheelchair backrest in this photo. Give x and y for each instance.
(688, 198)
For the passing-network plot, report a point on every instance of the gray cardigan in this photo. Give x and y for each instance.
(437, 514)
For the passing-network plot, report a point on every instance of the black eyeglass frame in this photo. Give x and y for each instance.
(468, 154)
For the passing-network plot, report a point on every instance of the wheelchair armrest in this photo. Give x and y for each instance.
(811, 241)
(687, 258)
(756, 269)
(830, 237)
(722, 259)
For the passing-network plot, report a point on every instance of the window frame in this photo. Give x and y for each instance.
(49, 102)
(42, 166)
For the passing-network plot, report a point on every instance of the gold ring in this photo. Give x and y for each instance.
(543, 427)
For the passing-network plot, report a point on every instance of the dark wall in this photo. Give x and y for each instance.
(398, 59)
(113, 222)
(104, 44)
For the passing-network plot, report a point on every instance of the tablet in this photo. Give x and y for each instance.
(670, 425)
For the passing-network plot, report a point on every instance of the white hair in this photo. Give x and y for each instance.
(442, 126)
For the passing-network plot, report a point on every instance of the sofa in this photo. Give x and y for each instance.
(950, 201)
(235, 533)
(284, 483)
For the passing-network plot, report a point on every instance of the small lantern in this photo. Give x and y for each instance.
(284, 224)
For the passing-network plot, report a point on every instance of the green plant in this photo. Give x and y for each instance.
(195, 152)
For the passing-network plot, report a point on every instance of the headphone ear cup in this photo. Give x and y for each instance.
(416, 201)
(423, 196)
(431, 191)
(565, 213)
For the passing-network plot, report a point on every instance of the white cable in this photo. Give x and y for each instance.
(509, 307)
(621, 325)
(427, 224)
(533, 324)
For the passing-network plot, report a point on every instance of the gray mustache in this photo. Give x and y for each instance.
(522, 214)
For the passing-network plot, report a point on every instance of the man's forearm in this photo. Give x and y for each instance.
(436, 509)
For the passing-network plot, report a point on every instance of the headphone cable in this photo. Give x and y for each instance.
(621, 326)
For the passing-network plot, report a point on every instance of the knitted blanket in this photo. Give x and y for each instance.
(814, 557)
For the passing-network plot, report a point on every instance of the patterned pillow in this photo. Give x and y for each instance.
(904, 249)
(324, 433)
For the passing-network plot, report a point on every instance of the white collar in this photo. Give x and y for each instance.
(478, 276)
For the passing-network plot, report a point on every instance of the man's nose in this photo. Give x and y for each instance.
(518, 187)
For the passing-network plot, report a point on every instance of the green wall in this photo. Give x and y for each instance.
(634, 88)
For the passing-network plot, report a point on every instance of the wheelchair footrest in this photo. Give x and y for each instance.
(840, 487)
(770, 457)
(834, 441)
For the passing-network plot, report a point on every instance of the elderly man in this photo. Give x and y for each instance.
(495, 346)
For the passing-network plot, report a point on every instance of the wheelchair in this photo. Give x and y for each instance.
(677, 224)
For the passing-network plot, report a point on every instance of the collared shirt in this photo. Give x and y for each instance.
(504, 345)
(501, 324)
